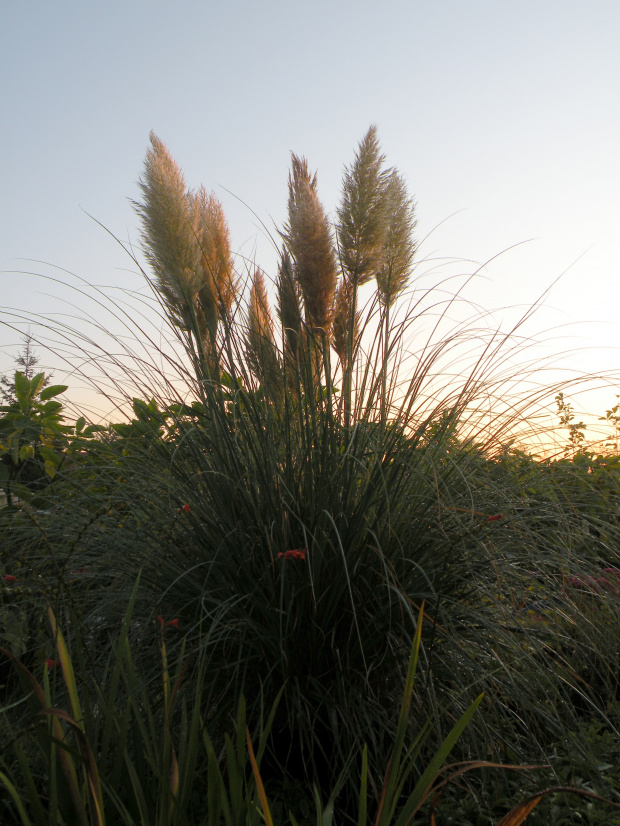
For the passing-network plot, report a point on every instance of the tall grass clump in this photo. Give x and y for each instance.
(293, 485)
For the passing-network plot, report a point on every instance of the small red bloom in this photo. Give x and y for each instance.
(496, 517)
(298, 553)
(160, 620)
(49, 662)
(10, 578)
(174, 623)
(184, 509)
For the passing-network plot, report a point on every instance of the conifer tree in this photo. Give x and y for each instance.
(25, 362)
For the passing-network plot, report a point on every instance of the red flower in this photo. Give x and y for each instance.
(298, 553)
(49, 662)
(184, 509)
(174, 622)
(496, 517)
(10, 578)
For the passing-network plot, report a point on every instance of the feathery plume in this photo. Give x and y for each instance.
(309, 238)
(216, 260)
(186, 242)
(260, 347)
(399, 246)
(362, 224)
(168, 233)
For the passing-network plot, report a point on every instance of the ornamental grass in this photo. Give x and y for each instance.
(292, 486)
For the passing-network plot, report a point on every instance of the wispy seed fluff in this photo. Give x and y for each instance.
(186, 242)
(362, 219)
(399, 246)
(309, 238)
(168, 232)
(260, 344)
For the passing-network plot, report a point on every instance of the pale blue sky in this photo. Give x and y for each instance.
(507, 113)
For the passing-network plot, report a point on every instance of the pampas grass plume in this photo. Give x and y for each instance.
(399, 246)
(260, 347)
(362, 217)
(309, 239)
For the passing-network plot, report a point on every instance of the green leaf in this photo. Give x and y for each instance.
(36, 385)
(94, 428)
(16, 799)
(26, 452)
(67, 670)
(259, 782)
(40, 698)
(215, 790)
(54, 390)
(51, 408)
(22, 387)
(423, 785)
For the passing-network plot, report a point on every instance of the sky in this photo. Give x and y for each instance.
(503, 117)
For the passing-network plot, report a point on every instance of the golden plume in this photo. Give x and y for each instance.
(260, 346)
(309, 239)
(186, 242)
(216, 260)
(362, 224)
(169, 233)
(399, 246)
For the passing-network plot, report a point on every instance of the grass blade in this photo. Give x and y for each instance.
(16, 799)
(422, 788)
(259, 783)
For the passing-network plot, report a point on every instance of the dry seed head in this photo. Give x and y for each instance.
(261, 349)
(362, 224)
(168, 232)
(400, 246)
(309, 238)
(216, 260)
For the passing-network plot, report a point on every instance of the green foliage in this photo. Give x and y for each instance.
(32, 436)
(26, 362)
(595, 775)
(117, 756)
(292, 498)
(387, 520)
(34, 442)
(612, 416)
(576, 435)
